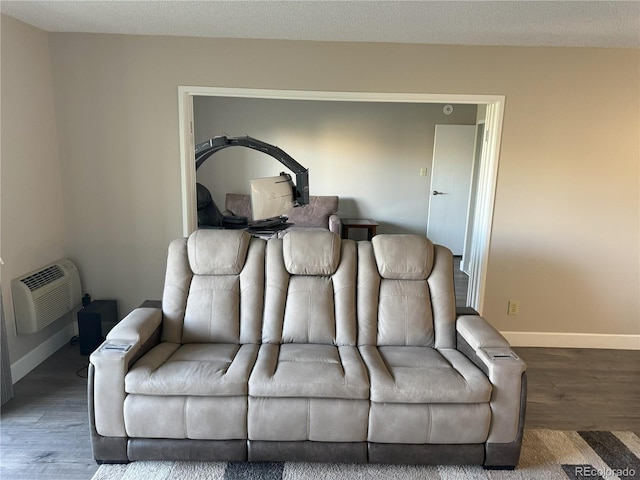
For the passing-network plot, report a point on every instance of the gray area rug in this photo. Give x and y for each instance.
(546, 454)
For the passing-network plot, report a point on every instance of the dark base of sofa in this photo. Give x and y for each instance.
(426, 454)
(109, 449)
(187, 450)
(123, 450)
(334, 452)
(502, 456)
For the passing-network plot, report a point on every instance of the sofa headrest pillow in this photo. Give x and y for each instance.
(403, 257)
(217, 252)
(311, 252)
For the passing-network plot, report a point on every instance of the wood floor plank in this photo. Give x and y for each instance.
(582, 389)
(45, 427)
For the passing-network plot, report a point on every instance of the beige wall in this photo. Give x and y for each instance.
(33, 222)
(350, 148)
(565, 234)
(557, 240)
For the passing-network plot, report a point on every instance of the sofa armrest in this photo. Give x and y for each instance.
(479, 334)
(140, 331)
(138, 326)
(335, 224)
(491, 352)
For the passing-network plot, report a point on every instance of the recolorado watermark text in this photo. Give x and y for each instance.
(590, 471)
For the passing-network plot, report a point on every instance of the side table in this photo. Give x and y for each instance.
(351, 223)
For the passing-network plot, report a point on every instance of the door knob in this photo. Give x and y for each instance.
(435, 192)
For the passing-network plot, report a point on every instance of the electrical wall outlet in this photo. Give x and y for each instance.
(514, 307)
(423, 172)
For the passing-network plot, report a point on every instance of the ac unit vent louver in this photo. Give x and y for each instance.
(44, 295)
(43, 277)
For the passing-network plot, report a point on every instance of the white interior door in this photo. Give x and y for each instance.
(450, 185)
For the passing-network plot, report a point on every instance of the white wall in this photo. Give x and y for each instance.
(32, 215)
(566, 225)
(369, 154)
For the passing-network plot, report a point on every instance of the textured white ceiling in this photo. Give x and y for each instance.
(517, 23)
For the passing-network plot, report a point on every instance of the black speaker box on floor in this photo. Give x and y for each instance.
(90, 321)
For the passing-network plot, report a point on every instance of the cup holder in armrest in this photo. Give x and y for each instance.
(116, 346)
(498, 354)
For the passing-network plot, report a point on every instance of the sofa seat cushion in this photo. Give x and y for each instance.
(423, 375)
(195, 417)
(313, 419)
(193, 369)
(309, 371)
(432, 423)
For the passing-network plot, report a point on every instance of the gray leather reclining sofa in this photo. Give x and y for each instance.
(307, 348)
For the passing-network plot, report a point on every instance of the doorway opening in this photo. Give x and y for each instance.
(487, 173)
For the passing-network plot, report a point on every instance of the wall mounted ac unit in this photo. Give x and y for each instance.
(44, 295)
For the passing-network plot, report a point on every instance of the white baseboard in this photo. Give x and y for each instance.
(35, 357)
(573, 340)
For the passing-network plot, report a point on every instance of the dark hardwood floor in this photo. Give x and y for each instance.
(44, 428)
(44, 432)
(588, 389)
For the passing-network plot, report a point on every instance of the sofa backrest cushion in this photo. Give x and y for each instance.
(214, 288)
(405, 292)
(218, 252)
(238, 204)
(310, 301)
(315, 252)
(315, 214)
(403, 257)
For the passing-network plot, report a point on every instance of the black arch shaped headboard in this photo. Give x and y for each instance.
(205, 149)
